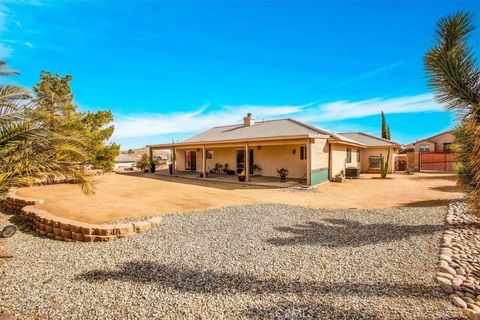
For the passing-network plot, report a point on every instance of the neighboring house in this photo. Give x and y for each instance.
(123, 161)
(439, 143)
(376, 148)
(309, 153)
(138, 153)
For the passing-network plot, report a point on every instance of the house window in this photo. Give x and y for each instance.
(349, 155)
(424, 148)
(303, 153)
(358, 155)
(209, 154)
(447, 147)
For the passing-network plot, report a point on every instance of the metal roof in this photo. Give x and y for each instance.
(261, 129)
(271, 129)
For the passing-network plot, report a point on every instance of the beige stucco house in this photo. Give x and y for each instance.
(310, 154)
(440, 142)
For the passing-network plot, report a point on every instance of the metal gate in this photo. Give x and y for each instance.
(437, 161)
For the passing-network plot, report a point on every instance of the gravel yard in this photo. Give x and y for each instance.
(253, 262)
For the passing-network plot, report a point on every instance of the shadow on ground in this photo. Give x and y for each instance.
(194, 182)
(426, 203)
(453, 188)
(205, 281)
(343, 232)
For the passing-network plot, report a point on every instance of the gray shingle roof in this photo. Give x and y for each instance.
(370, 140)
(261, 129)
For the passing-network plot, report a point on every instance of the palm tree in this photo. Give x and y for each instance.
(30, 153)
(453, 73)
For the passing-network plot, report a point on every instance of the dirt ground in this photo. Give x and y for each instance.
(121, 196)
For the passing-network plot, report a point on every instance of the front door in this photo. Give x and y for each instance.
(241, 160)
(190, 160)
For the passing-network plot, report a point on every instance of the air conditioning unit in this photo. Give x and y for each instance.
(352, 173)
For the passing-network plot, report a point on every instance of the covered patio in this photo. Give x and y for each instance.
(255, 180)
(225, 161)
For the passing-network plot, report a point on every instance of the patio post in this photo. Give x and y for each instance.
(247, 163)
(204, 163)
(150, 153)
(174, 160)
(309, 162)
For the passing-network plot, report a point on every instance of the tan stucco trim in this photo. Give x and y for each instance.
(241, 142)
(309, 161)
(346, 143)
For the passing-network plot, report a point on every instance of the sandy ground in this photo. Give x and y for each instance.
(121, 196)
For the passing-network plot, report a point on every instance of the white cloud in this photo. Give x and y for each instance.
(28, 44)
(143, 125)
(340, 110)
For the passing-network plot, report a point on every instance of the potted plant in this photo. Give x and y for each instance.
(256, 169)
(242, 176)
(283, 173)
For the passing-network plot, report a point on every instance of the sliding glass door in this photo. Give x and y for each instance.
(190, 160)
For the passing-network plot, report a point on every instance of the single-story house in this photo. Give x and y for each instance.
(439, 143)
(123, 161)
(310, 154)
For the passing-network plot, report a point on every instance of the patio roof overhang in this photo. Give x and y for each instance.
(236, 141)
(347, 143)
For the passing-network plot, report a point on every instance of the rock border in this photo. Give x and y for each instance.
(458, 272)
(57, 228)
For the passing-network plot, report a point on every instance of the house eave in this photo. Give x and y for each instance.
(213, 142)
(348, 143)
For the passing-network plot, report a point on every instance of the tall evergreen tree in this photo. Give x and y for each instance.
(55, 107)
(385, 135)
(385, 128)
(455, 76)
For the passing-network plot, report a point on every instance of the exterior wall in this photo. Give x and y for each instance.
(339, 158)
(180, 160)
(431, 145)
(436, 143)
(365, 155)
(319, 153)
(222, 156)
(319, 161)
(271, 158)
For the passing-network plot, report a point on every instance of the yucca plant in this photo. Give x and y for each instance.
(453, 73)
(30, 153)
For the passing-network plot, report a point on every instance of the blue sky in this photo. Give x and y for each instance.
(170, 69)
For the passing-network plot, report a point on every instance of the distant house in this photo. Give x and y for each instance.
(310, 154)
(439, 143)
(123, 161)
(139, 152)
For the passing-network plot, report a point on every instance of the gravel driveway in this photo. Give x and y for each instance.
(257, 261)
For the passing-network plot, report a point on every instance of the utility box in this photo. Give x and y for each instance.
(352, 173)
